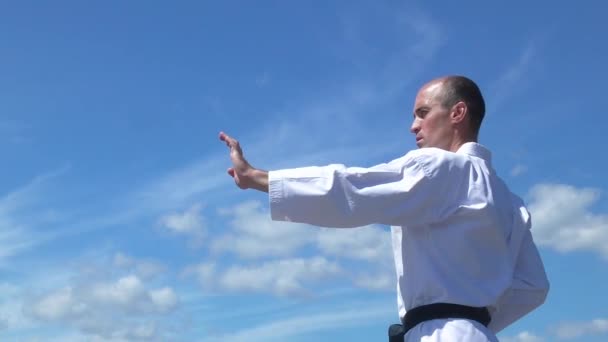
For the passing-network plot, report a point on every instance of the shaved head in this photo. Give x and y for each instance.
(455, 89)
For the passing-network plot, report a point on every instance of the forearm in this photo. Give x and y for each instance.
(530, 284)
(515, 304)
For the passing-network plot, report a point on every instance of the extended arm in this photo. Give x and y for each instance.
(395, 193)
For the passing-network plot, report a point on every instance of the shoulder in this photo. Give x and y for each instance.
(436, 161)
(521, 207)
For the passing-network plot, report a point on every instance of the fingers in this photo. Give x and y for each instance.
(230, 142)
(236, 178)
(223, 136)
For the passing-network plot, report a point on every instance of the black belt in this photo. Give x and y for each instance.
(429, 312)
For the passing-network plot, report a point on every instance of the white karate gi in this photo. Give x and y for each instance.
(459, 235)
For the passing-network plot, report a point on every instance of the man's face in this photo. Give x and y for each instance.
(431, 124)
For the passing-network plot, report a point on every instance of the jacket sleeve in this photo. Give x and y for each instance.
(530, 285)
(394, 193)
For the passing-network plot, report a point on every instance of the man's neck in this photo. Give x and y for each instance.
(458, 142)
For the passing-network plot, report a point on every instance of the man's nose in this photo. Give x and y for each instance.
(415, 128)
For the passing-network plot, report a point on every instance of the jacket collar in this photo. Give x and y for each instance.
(476, 150)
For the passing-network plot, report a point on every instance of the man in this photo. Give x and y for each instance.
(466, 263)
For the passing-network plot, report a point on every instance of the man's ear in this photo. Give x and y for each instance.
(459, 112)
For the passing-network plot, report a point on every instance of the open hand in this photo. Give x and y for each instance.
(245, 176)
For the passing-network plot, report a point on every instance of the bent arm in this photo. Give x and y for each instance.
(529, 288)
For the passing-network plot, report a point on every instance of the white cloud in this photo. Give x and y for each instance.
(186, 223)
(117, 310)
(124, 292)
(204, 273)
(142, 332)
(562, 218)
(524, 336)
(108, 330)
(129, 294)
(371, 245)
(164, 299)
(255, 235)
(121, 260)
(376, 281)
(571, 330)
(126, 295)
(57, 305)
(11, 313)
(283, 277)
(190, 223)
(365, 243)
(143, 268)
(280, 277)
(518, 170)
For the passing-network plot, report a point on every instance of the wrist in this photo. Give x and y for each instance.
(258, 179)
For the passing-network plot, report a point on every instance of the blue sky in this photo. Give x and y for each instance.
(119, 223)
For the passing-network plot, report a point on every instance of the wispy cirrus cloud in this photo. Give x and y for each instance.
(269, 260)
(333, 124)
(292, 327)
(415, 38)
(305, 136)
(178, 186)
(513, 78)
(22, 211)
